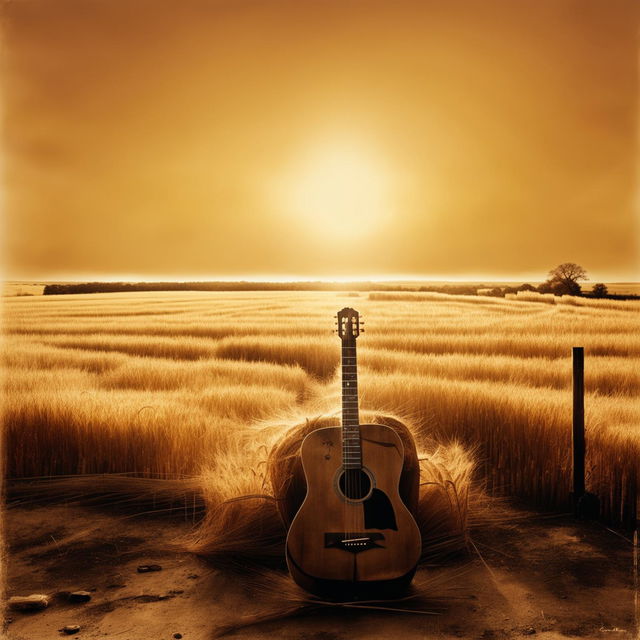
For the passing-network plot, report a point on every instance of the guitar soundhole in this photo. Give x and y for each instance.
(355, 484)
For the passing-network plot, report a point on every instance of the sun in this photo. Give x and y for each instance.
(338, 192)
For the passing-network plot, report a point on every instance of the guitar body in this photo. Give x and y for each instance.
(353, 536)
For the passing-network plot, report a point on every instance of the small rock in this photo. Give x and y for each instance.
(193, 576)
(177, 636)
(145, 568)
(33, 602)
(70, 629)
(79, 596)
(176, 592)
(529, 631)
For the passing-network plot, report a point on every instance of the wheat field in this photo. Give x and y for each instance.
(186, 383)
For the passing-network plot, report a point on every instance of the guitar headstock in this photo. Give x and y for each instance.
(349, 324)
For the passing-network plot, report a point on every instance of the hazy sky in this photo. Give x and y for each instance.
(457, 138)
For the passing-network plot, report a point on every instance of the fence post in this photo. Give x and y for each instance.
(585, 504)
(636, 569)
(578, 424)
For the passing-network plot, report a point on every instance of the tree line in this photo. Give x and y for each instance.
(562, 280)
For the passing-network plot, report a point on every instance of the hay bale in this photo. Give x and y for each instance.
(287, 476)
(250, 530)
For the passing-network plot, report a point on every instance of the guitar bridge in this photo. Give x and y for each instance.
(353, 542)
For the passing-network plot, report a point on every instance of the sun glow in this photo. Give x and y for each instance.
(338, 192)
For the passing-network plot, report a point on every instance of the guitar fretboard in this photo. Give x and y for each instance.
(351, 451)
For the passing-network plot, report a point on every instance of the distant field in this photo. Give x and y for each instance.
(174, 383)
(624, 288)
(22, 289)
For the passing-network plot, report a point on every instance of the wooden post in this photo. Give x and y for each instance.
(578, 424)
(636, 576)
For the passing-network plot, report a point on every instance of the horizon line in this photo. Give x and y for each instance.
(250, 278)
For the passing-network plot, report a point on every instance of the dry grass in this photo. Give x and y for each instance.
(183, 383)
(594, 303)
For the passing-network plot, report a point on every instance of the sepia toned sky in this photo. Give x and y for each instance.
(320, 138)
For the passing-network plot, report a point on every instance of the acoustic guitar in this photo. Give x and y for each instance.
(353, 536)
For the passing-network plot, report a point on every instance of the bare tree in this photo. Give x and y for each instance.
(564, 278)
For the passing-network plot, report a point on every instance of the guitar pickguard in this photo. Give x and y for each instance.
(378, 512)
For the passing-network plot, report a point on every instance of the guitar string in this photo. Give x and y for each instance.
(347, 430)
(344, 440)
(352, 476)
(355, 474)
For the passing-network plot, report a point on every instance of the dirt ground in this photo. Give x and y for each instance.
(543, 577)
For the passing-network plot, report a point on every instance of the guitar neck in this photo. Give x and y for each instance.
(351, 450)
